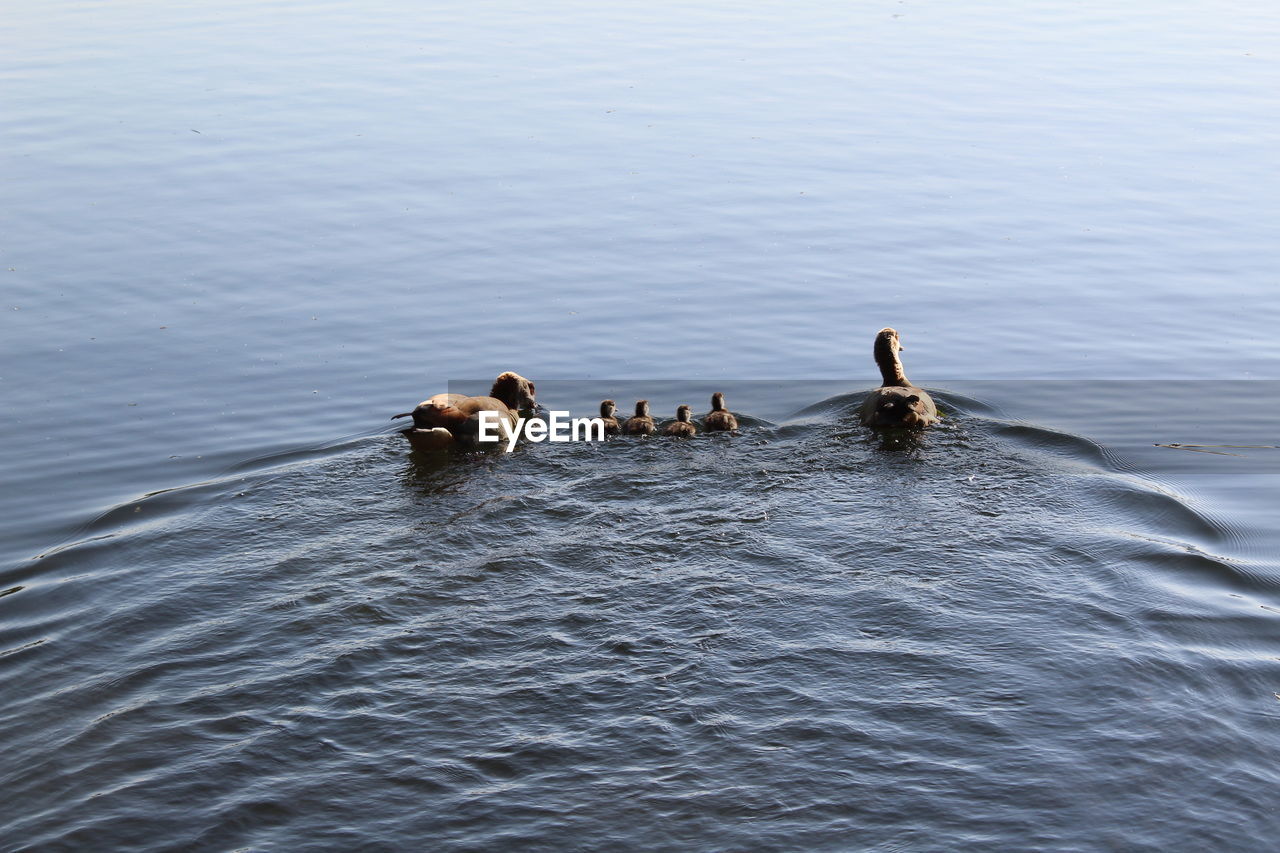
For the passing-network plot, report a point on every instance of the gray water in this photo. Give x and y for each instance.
(236, 612)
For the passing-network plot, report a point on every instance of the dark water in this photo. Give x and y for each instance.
(236, 613)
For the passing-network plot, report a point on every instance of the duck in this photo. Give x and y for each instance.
(608, 409)
(640, 423)
(896, 403)
(720, 418)
(454, 419)
(681, 427)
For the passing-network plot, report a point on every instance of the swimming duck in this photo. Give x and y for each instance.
(897, 403)
(720, 418)
(447, 419)
(607, 411)
(640, 423)
(681, 426)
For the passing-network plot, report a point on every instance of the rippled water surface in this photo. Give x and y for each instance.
(237, 613)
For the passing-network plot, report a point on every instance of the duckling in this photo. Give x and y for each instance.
(720, 418)
(608, 409)
(640, 423)
(682, 427)
(897, 403)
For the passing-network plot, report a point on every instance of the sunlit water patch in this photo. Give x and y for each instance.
(788, 638)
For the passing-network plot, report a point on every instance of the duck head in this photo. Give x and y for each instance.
(514, 390)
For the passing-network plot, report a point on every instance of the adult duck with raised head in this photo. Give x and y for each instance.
(448, 419)
(896, 403)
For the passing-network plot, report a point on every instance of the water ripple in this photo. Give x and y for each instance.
(794, 626)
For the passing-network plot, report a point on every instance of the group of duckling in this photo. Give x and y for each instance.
(719, 419)
(448, 419)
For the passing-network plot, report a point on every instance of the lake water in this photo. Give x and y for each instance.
(237, 613)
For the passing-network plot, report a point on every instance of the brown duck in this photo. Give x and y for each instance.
(896, 403)
(720, 418)
(447, 419)
(640, 423)
(681, 427)
(608, 411)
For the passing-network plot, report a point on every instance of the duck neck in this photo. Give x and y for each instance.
(506, 394)
(890, 364)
